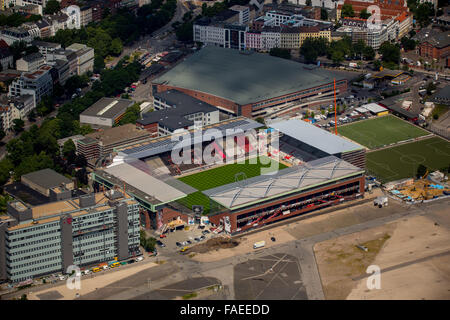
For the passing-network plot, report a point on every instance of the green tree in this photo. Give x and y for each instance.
(359, 47)
(5, 168)
(390, 52)
(337, 57)
(131, 115)
(18, 125)
(377, 65)
(281, 53)
(52, 7)
(33, 163)
(323, 14)
(423, 13)
(347, 11)
(116, 47)
(364, 14)
(69, 150)
(308, 3)
(368, 53)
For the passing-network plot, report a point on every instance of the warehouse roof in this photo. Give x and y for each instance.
(372, 107)
(243, 78)
(46, 178)
(108, 108)
(314, 136)
(285, 181)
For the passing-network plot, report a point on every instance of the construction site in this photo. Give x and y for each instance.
(428, 187)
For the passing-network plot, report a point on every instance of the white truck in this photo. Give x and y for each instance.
(381, 201)
(259, 244)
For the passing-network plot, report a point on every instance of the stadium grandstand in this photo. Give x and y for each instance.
(317, 169)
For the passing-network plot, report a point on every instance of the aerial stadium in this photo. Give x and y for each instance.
(310, 169)
(245, 83)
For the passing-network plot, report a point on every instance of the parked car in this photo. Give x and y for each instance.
(159, 243)
(139, 259)
(131, 261)
(205, 231)
(202, 237)
(162, 236)
(197, 239)
(179, 244)
(189, 242)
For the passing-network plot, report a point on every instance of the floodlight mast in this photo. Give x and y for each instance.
(335, 112)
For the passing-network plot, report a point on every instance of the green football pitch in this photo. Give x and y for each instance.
(377, 132)
(223, 175)
(402, 161)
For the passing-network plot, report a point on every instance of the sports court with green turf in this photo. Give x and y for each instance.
(223, 175)
(402, 161)
(377, 132)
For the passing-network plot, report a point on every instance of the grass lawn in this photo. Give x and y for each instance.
(220, 176)
(381, 131)
(439, 109)
(402, 161)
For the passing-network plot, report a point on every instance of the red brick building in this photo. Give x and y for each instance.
(433, 44)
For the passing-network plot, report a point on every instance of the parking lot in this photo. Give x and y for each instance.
(170, 239)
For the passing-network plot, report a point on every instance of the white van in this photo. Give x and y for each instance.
(259, 244)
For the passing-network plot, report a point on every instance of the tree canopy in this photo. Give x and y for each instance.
(52, 7)
(347, 11)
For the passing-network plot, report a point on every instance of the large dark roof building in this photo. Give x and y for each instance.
(244, 83)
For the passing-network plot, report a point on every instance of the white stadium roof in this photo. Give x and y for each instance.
(144, 182)
(314, 136)
(286, 181)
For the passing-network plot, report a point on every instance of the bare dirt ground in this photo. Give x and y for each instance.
(214, 244)
(339, 260)
(245, 245)
(413, 254)
(88, 284)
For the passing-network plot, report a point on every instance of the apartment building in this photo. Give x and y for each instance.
(74, 17)
(64, 55)
(253, 40)
(85, 15)
(38, 83)
(31, 62)
(6, 58)
(85, 57)
(357, 29)
(46, 47)
(15, 108)
(244, 13)
(270, 37)
(11, 35)
(433, 44)
(40, 240)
